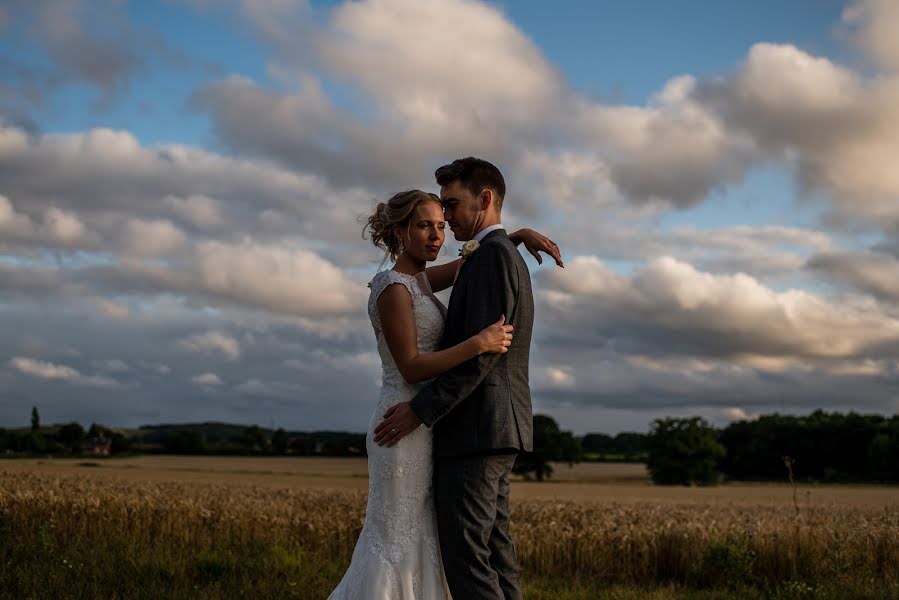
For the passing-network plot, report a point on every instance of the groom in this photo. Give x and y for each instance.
(480, 411)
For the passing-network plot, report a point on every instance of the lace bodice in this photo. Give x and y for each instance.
(397, 556)
(429, 317)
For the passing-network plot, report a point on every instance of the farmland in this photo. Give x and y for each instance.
(209, 527)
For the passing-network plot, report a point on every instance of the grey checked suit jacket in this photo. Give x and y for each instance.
(483, 406)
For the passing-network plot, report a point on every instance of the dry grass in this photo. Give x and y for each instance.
(604, 482)
(635, 540)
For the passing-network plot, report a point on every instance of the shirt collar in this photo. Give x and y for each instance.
(483, 233)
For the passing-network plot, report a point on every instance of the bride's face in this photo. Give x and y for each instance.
(425, 233)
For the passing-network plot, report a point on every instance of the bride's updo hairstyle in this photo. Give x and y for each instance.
(381, 225)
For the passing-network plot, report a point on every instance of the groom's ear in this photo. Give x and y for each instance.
(486, 198)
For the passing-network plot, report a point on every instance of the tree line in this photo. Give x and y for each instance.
(191, 438)
(820, 447)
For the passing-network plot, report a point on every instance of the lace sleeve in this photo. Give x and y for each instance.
(381, 282)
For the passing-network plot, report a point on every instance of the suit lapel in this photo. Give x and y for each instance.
(459, 297)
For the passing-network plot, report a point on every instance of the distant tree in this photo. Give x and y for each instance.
(630, 443)
(183, 442)
(683, 452)
(96, 430)
(868, 448)
(253, 438)
(303, 445)
(626, 445)
(34, 442)
(120, 443)
(570, 450)
(550, 444)
(35, 419)
(598, 443)
(71, 435)
(279, 441)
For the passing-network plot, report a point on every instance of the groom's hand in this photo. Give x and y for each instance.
(399, 421)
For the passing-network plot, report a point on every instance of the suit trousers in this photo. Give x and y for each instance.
(471, 494)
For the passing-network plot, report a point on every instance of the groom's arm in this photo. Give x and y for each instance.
(492, 289)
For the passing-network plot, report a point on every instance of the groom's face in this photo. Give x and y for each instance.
(460, 209)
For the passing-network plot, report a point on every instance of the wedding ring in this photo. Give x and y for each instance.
(393, 432)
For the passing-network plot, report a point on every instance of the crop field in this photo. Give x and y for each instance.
(209, 527)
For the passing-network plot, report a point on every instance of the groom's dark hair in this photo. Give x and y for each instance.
(474, 174)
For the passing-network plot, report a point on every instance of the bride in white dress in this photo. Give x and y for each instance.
(397, 556)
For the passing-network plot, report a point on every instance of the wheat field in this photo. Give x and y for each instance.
(597, 523)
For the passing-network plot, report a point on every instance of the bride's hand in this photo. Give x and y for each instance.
(536, 242)
(495, 338)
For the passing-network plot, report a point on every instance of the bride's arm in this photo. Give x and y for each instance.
(398, 327)
(441, 277)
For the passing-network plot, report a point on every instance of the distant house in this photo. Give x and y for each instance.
(99, 446)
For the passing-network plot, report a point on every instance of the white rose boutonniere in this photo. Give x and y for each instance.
(469, 248)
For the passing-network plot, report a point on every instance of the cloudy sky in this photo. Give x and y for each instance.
(182, 184)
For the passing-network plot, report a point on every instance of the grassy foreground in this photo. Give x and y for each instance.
(75, 537)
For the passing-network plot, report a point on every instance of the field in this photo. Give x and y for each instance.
(208, 527)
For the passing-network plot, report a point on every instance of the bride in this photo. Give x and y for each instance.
(397, 555)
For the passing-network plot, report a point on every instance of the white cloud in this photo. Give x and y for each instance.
(107, 240)
(200, 211)
(48, 370)
(838, 130)
(876, 21)
(44, 370)
(737, 414)
(152, 238)
(111, 309)
(112, 365)
(212, 342)
(206, 379)
(869, 271)
(670, 304)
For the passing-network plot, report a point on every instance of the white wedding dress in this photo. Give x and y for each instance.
(397, 556)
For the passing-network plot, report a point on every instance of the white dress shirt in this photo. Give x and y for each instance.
(483, 233)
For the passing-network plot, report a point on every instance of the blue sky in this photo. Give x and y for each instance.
(190, 175)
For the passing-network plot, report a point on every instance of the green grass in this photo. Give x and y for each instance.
(45, 565)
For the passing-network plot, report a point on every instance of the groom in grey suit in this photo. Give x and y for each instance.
(480, 411)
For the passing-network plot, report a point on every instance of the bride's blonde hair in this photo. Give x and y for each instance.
(381, 225)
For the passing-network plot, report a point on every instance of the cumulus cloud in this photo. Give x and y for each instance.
(199, 211)
(674, 150)
(837, 129)
(112, 309)
(670, 307)
(737, 414)
(212, 342)
(875, 21)
(872, 272)
(43, 369)
(112, 365)
(113, 184)
(48, 370)
(206, 379)
(57, 228)
(252, 254)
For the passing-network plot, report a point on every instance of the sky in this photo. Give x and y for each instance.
(183, 185)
